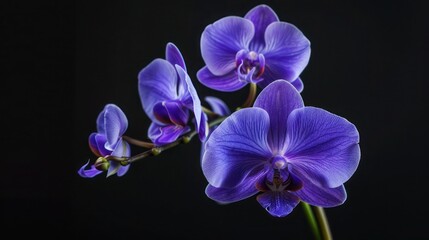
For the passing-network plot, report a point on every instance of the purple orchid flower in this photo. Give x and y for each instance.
(107, 141)
(287, 151)
(255, 49)
(167, 95)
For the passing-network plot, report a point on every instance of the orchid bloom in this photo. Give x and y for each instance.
(283, 150)
(258, 48)
(168, 95)
(107, 141)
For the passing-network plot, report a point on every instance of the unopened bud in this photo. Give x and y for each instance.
(102, 164)
(186, 139)
(156, 151)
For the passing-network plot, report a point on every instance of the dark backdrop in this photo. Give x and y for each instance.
(62, 61)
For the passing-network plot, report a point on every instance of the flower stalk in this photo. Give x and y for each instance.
(311, 220)
(251, 97)
(323, 223)
(154, 151)
(138, 142)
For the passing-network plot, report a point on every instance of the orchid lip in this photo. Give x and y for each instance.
(250, 66)
(279, 183)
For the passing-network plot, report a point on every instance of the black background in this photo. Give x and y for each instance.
(62, 61)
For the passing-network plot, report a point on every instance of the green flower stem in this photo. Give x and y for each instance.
(251, 97)
(311, 220)
(138, 142)
(323, 223)
(209, 112)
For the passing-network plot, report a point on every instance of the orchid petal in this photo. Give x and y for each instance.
(261, 16)
(287, 51)
(203, 130)
(164, 134)
(122, 170)
(196, 103)
(226, 83)
(171, 112)
(228, 195)
(269, 77)
(322, 146)
(279, 99)
(218, 106)
(157, 83)
(89, 173)
(298, 84)
(117, 168)
(321, 196)
(221, 41)
(93, 144)
(173, 55)
(278, 204)
(116, 124)
(101, 142)
(113, 168)
(237, 149)
(122, 149)
(100, 122)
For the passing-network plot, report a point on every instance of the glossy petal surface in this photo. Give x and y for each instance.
(157, 83)
(237, 149)
(322, 146)
(221, 41)
(278, 204)
(226, 83)
(229, 195)
(279, 99)
(287, 51)
(261, 16)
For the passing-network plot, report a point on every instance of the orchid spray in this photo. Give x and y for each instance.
(273, 147)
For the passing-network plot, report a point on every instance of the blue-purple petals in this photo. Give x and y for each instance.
(283, 150)
(167, 95)
(107, 141)
(258, 48)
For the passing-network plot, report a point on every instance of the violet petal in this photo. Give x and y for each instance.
(177, 114)
(229, 195)
(157, 82)
(115, 123)
(298, 84)
(122, 149)
(196, 103)
(237, 149)
(88, 173)
(261, 16)
(279, 99)
(218, 106)
(101, 142)
(173, 55)
(93, 144)
(164, 134)
(278, 204)
(221, 41)
(226, 83)
(320, 196)
(287, 51)
(322, 146)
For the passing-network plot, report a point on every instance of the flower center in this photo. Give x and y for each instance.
(279, 178)
(170, 112)
(280, 181)
(279, 162)
(250, 66)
